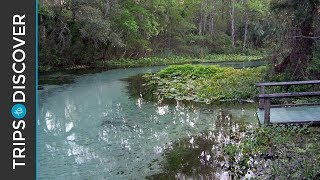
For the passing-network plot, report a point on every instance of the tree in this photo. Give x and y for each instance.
(232, 16)
(300, 37)
(212, 18)
(81, 31)
(246, 24)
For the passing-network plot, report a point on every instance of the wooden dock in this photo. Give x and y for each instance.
(288, 114)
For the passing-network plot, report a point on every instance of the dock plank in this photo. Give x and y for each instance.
(288, 83)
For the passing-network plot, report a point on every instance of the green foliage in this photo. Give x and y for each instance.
(138, 23)
(190, 70)
(149, 61)
(205, 83)
(293, 150)
(314, 68)
(80, 31)
(222, 44)
(231, 150)
(257, 6)
(93, 26)
(233, 57)
(157, 61)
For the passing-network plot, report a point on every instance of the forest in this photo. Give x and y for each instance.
(79, 32)
(179, 89)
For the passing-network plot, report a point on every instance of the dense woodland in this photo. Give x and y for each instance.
(287, 32)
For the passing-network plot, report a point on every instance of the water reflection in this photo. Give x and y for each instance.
(93, 129)
(200, 155)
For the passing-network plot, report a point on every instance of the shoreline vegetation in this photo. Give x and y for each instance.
(156, 61)
(201, 83)
(274, 146)
(266, 152)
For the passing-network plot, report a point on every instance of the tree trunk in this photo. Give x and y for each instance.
(222, 10)
(232, 11)
(245, 36)
(107, 8)
(104, 55)
(205, 16)
(212, 15)
(200, 20)
(42, 30)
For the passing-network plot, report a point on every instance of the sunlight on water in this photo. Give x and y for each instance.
(93, 129)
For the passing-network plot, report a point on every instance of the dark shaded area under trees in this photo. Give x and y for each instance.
(302, 36)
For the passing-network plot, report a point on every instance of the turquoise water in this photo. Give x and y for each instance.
(93, 129)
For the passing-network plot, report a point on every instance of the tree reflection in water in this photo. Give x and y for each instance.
(202, 156)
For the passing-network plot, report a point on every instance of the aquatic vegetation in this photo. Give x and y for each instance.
(157, 61)
(278, 151)
(205, 83)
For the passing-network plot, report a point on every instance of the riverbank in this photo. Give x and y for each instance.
(267, 152)
(156, 61)
(278, 151)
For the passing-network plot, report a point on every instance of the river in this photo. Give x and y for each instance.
(93, 128)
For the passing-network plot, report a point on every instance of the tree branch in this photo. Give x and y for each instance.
(308, 37)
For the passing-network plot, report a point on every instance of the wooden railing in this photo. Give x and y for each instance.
(265, 99)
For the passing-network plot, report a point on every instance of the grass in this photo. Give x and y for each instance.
(157, 61)
(201, 83)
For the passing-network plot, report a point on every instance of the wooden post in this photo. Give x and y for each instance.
(267, 105)
(261, 100)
